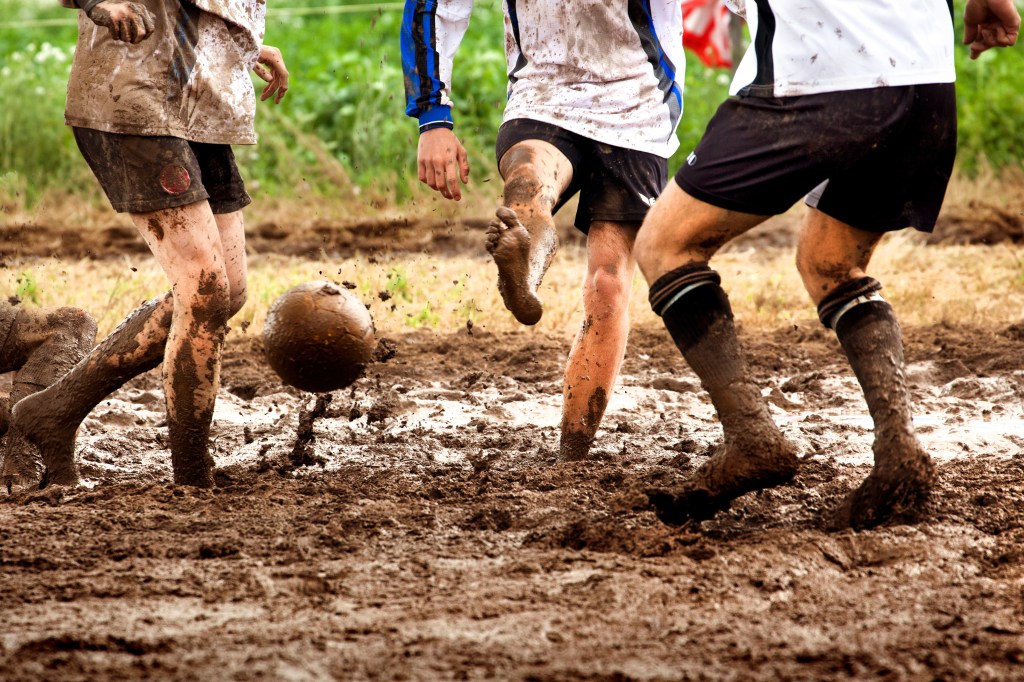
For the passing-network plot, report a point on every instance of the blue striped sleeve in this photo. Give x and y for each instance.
(424, 88)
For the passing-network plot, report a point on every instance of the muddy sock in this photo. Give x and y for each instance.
(870, 336)
(845, 297)
(697, 314)
(869, 333)
(755, 454)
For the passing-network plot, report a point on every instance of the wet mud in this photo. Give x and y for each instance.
(419, 525)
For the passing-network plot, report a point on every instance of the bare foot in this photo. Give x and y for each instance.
(898, 485)
(40, 449)
(736, 469)
(522, 261)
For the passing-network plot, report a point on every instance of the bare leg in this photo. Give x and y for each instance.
(231, 227)
(678, 237)
(596, 354)
(188, 247)
(522, 237)
(43, 427)
(41, 441)
(832, 258)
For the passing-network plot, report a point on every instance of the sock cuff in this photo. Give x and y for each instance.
(874, 310)
(673, 285)
(847, 295)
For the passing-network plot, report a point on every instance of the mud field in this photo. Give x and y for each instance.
(423, 529)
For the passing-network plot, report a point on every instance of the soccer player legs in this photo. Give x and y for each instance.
(678, 238)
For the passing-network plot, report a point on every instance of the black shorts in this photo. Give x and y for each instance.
(877, 159)
(141, 174)
(615, 184)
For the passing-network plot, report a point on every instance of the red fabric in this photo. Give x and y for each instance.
(706, 31)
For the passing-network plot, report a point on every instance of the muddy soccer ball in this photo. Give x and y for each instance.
(318, 337)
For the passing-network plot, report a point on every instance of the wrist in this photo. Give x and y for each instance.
(87, 6)
(436, 117)
(424, 127)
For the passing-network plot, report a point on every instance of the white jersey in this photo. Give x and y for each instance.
(801, 47)
(190, 79)
(610, 70)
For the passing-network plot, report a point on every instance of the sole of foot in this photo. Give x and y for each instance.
(510, 244)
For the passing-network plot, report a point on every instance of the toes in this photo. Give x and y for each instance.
(507, 216)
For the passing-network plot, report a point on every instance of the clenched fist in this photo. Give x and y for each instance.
(129, 21)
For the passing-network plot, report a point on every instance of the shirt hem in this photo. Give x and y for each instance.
(844, 84)
(609, 135)
(160, 131)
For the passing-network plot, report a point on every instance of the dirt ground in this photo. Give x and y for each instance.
(425, 531)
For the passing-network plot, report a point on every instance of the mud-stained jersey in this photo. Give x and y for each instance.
(610, 70)
(801, 48)
(189, 79)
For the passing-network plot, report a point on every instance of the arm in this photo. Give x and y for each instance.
(431, 33)
(990, 23)
(131, 22)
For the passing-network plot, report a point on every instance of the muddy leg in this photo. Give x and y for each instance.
(522, 237)
(41, 443)
(754, 454)
(903, 474)
(192, 376)
(596, 355)
(41, 440)
(832, 258)
(41, 347)
(187, 243)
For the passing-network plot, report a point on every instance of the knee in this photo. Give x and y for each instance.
(819, 275)
(210, 301)
(806, 262)
(524, 189)
(213, 311)
(609, 285)
(76, 325)
(643, 247)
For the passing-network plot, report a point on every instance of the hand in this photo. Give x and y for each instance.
(270, 67)
(131, 22)
(990, 23)
(442, 162)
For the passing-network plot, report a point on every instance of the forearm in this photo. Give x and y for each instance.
(431, 32)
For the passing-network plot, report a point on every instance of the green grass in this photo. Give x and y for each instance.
(974, 285)
(342, 128)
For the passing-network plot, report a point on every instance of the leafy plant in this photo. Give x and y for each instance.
(27, 288)
(342, 127)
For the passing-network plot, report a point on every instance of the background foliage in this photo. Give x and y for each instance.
(343, 126)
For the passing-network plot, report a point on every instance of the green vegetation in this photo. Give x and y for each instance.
(343, 125)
